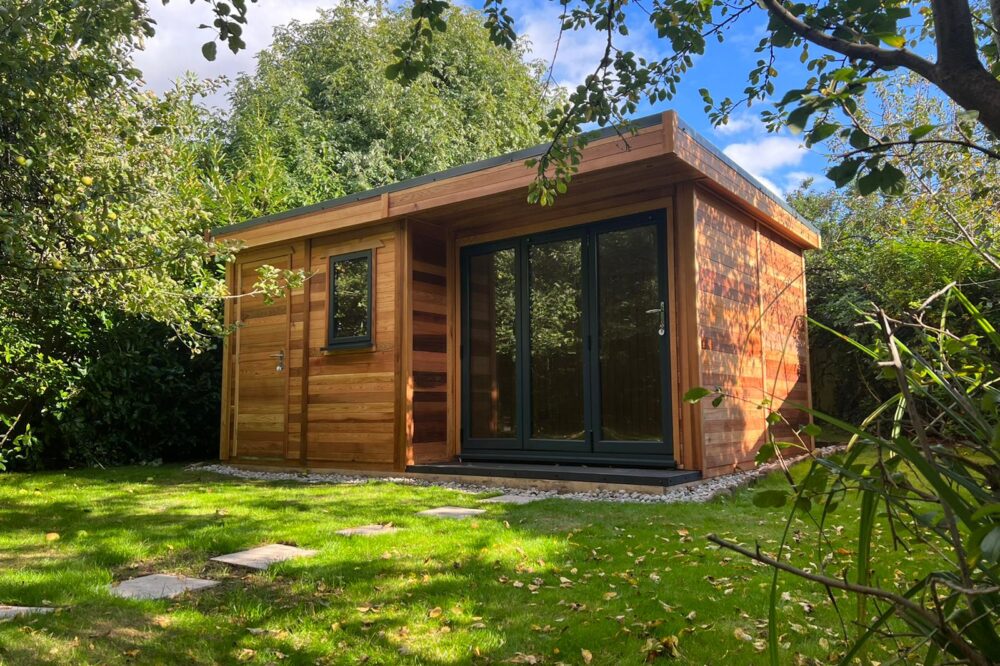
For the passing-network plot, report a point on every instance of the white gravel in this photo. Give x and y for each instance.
(698, 491)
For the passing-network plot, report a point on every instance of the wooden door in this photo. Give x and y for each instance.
(261, 368)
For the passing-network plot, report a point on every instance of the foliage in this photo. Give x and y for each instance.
(927, 460)
(144, 397)
(845, 45)
(101, 214)
(107, 190)
(319, 119)
(895, 250)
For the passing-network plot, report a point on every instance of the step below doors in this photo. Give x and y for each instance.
(565, 351)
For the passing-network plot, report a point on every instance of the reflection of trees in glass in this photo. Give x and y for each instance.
(556, 324)
(493, 344)
(629, 339)
(350, 302)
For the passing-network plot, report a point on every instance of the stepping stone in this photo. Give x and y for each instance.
(367, 530)
(159, 586)
(264, 556)
(8, 612)
(451, 512)
(510, 499)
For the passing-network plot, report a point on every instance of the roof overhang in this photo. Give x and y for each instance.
(662, 141)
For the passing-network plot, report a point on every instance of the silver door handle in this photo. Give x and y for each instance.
(281, 360)
(662, 311)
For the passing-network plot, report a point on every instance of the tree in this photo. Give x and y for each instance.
(846, 45)
(318, 119)
(106, 191)
(919, 273)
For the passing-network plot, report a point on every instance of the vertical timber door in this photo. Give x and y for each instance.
(260, 427)
(565, 352)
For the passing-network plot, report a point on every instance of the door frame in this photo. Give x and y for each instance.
(590, 450)
(263, 257)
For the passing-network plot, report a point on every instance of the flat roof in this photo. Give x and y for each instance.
(516, 156)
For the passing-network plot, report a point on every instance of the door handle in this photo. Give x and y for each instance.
(281, 360)
(662, 311)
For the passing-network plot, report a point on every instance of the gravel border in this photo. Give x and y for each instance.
(697, 491)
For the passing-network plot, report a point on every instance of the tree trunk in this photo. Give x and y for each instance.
(974, 89)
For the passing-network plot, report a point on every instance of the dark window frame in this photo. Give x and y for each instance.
(593, 449)
(333, 341)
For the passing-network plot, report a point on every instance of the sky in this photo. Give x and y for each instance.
(780, 161)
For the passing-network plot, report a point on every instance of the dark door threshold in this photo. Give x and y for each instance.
(618, 475)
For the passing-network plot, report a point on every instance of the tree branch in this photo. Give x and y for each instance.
(899, 601)
(884, 58)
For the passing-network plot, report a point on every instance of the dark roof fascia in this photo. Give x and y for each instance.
(472, 167)
(765, 190)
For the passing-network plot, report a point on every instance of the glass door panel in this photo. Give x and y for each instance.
(564, 346)
(491, 289)
(631, 322)
(556, 376)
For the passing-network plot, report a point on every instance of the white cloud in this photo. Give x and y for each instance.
(768, 154)
(580, 51)
(764, 157)
(744, 122)
(176, 47)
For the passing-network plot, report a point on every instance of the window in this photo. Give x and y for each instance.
(350, 323)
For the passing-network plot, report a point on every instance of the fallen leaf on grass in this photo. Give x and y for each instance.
(521, 658)
(52, 536)
(587, 656)
(435, 612)
(742, 635)
(662, 647)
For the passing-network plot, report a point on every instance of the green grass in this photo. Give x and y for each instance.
(609, 576)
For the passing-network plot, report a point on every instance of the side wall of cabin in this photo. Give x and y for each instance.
(751, 329)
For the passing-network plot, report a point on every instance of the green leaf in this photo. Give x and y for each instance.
(821, 131)
(208, 49)
(920, 132)
(990, 545)
(797, 119)
(770, 498)
(812, 430)
(695, 394)
(844, 172)
(895, 41)
(892, 181)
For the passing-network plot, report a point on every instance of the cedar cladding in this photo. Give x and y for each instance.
(429, 270)
(751, 330)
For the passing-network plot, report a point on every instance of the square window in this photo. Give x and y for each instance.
(350, 305)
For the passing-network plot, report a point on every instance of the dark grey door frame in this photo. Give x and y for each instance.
(592, 449)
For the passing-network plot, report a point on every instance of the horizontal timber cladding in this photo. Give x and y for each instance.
(350, 401)
(429, 328)
(751, 330)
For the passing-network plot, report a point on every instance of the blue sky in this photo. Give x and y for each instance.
(779, 160)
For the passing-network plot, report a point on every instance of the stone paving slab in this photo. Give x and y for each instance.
(159, 586)
(510, 499)
(264, 556)
(367, 530)
(8, 612)
(451, 512)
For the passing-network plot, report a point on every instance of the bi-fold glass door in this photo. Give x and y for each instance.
(564, 352)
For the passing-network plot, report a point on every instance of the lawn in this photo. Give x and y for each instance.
(548, 582)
